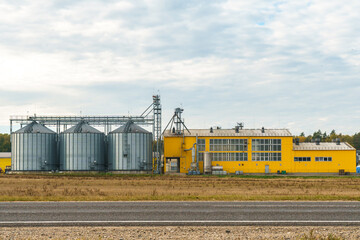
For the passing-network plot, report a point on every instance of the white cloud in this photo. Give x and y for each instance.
(269, 60)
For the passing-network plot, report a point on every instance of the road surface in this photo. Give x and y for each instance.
(179, 213)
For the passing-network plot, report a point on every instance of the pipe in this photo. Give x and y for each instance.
(197, 154)
(193, 153)
(190, 148)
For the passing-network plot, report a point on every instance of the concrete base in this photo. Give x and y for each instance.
(85, 172)
(30, 172)
(130, 172)
(295, 174)
(51, 172)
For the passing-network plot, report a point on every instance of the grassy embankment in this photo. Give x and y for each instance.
(107, 187)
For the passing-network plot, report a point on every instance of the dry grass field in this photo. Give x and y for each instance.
(88, 187)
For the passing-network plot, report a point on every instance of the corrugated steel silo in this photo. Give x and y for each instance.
(82, 149)
(130, 149)
(33, 148)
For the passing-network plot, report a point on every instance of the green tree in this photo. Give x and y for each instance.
(356, 141)
(308, 138)
(324, 135)
(347, 138)
(317, 134)
(5, 143)
(333, 135)
(333, 132)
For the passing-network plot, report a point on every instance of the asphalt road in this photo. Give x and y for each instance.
(179, 213)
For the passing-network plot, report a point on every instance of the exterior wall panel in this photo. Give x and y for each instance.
(138, 149)
(82, 152)
(34, 152)
(345, 159)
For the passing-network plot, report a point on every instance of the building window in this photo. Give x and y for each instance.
(272, 145)
(201, 156)
(173, 166)
(266, 156)
(323, 159)
(228, 144)
(227, 156)
(201, 144)
(302, 159)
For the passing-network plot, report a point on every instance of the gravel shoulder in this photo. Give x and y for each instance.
(194, 233)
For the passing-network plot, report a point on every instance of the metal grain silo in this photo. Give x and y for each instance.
(82, 149)
(33, 148)
(130, 149)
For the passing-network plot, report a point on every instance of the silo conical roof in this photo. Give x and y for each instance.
(130, 127)
(82, 127)
(34, 127)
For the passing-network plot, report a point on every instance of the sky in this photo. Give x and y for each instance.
(272, 64)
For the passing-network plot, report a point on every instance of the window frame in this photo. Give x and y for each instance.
(266, 145)
(229, 156)
(201, 146)
(228, 145)
(302, 159)
(266, 156)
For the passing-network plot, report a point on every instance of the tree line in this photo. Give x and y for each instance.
(353, 140)
(5, 143)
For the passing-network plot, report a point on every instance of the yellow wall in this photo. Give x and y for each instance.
(345, 159)
(341, 159)
(175, 147)
(4, 162)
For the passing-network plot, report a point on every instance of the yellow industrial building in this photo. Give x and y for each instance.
(5, 161)
(254, 151)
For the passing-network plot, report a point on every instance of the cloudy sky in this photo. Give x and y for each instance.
(277, 64)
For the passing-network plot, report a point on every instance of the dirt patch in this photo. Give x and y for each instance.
(180, 233)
